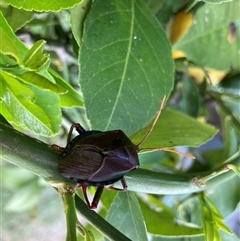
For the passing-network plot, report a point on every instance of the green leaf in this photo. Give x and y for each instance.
(222, 194)
(78, 15)
(34, 79)
(40, 6)
(175, 129)
(229, 237)
(211, 25)
(215, 1)
(17, 18)
(72, 97)
(8, 31)
(125, 214)
(98, 222)
(8, 47)
(25, 198)
(7, 63)
(190, 96)
(231, 142)
(50, 104)
(30, 109)
(235, 169)
(163, 223)
(212, 219)
(125, 65)
(219, 220)
(230, 84)
(14, 177)
(35, 59)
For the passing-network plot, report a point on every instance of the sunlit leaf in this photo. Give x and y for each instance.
(30, 109)
(25, 198)
(8, 31)
(206, 42)
(212, 220)
(8, 47)
(78, 15)
(125, 214)
(17, 18)
(34, 79)
(163, 223)
(40, 6)
(175, 129)
(72, 97)
(35, 58)
(125, 65)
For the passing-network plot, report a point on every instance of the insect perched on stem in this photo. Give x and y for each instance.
(96, 158)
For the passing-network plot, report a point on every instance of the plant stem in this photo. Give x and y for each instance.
(40, 159)
(71, 218)
(31, 154)
(98, 222)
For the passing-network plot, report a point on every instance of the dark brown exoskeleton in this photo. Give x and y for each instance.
(95, 158)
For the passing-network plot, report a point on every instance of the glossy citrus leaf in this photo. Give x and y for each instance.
(7, 63)
(125, 214)
(50, 104)
(78, 15)
(215, 1)
(4, 110)
(230, 85)
(35, 58)
(212, 219)
(13, 177)
(222, 194)
(30, 109)
(211, 25)
(108, 230)
(5, 27)
(34, 79)
(40, 6)
(72, 97)
(229, 237)
(25, 198)
(163, 223)
(125, 65)
(175, 129)
(17, 18)
(8, 47)
(190, 91)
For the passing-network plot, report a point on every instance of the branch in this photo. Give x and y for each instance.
(42, 160)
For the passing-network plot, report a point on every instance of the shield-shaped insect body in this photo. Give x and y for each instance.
(95, 158)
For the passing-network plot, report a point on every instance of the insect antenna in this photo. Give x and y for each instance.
(160, 148)
(168, 150)
(154, 122)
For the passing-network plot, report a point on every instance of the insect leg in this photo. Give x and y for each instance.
(57, 148)
(78, 128)
(97, 197)
(84, 190)
(124, 185)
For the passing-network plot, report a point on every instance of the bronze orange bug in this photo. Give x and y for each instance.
(96, 158)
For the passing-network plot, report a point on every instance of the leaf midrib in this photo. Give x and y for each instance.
(124, 69)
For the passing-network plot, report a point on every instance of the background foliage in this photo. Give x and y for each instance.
(107, 65)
